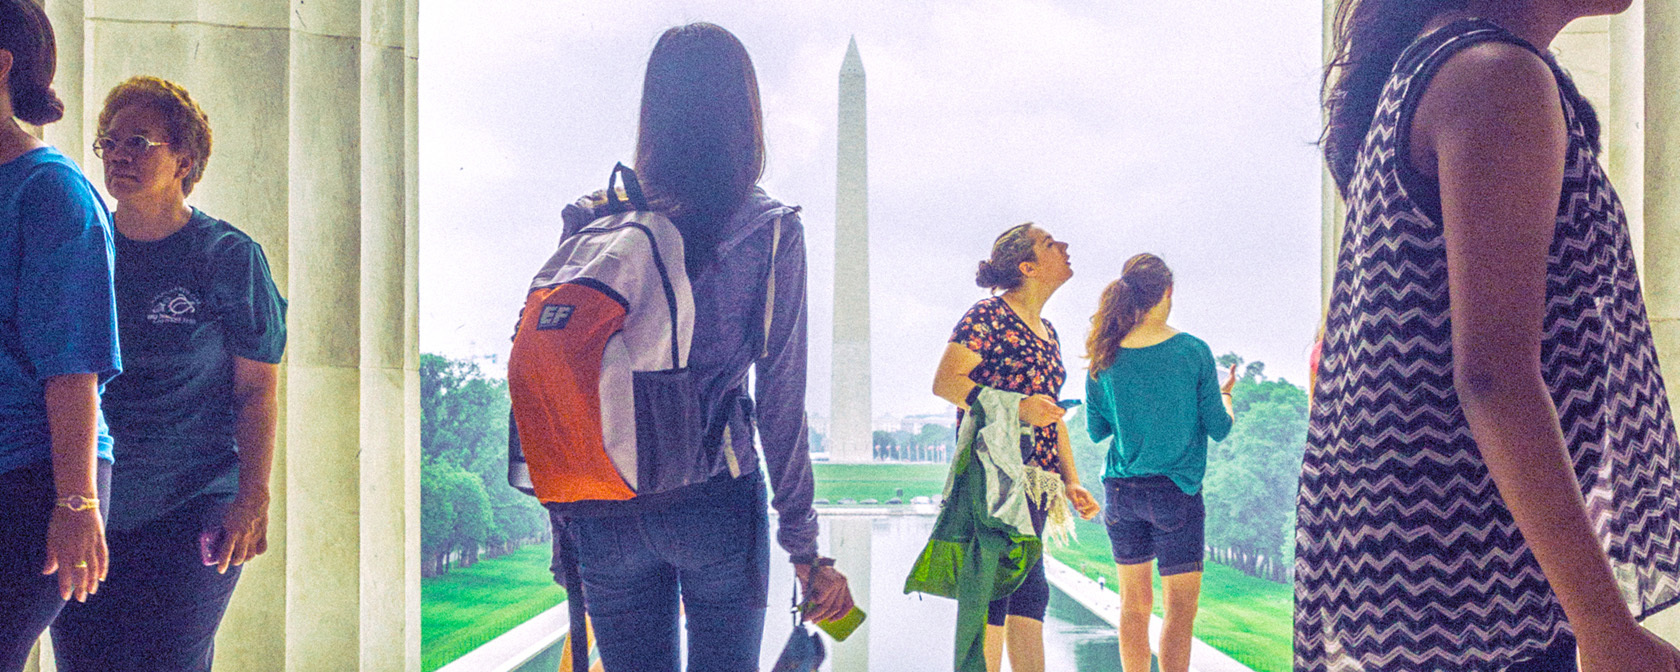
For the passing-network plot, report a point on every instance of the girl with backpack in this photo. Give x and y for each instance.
(1489, 475)
(1002, 342)
(705, 547)
(1156, 391)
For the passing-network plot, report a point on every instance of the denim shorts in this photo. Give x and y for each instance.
(1150, 518)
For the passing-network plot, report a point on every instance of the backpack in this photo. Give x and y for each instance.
(604, 407)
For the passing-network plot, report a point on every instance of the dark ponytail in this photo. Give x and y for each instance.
(1143, 282)
(1010, 249)
(26, 33)
(1369, 37)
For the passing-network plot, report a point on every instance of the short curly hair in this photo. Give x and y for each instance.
(188, 125)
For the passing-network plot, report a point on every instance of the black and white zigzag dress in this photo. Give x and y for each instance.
(1406, 557)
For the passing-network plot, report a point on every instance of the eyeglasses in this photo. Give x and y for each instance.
(133, 145)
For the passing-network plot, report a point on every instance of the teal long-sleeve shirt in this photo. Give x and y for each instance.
(1162, 404)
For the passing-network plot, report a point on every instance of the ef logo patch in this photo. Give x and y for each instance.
(554, 316)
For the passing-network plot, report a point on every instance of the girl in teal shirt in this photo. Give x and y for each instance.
(1156, 391)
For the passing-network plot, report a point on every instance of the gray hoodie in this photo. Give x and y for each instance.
(730, 338)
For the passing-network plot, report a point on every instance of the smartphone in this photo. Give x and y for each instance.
(839, 628)
(1069, 403)
(210, 544)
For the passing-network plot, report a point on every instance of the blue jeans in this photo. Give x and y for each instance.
(712, 551)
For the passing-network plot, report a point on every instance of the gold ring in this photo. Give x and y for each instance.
(81, 565)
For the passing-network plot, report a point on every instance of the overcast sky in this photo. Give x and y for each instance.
(1179, 128)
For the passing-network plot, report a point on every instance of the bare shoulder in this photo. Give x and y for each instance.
(1493, 93)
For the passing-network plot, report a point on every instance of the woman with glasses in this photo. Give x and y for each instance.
(58, 343)
(203, 328)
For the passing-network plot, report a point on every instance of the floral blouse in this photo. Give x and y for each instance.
(1014, 359)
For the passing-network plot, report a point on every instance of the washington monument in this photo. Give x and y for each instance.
(849, 435)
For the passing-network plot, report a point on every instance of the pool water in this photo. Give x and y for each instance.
(904, 633)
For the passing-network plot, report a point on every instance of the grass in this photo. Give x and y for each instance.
(467, 607)
(878, 481)
(1249, 619)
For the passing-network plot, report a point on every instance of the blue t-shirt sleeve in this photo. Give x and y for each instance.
(253, 312)
(1215, 421)
(66, 307)
(1097, 410)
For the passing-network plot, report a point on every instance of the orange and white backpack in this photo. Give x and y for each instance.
(604, 408)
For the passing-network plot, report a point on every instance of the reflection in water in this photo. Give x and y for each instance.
(905, 633)
(914, 633)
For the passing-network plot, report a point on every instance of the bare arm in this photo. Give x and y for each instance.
(256, 387)
(950, 381)
(1493, 124)
(75, 539)
(1082, 500)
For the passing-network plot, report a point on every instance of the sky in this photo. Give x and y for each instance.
(1184, 129)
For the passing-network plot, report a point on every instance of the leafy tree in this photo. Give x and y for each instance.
(463, 437)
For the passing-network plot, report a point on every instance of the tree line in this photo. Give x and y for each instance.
(1252, 475)
(467, 509)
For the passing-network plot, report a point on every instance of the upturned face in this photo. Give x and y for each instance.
(1051, 262)
(140, 164)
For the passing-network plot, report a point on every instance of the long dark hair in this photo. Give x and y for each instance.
(700, 145)
(26, 33)
(1143, 281)
(1370, 35)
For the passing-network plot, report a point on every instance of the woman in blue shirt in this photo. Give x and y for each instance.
(1156, 391)
(203, 330)
(58, 343)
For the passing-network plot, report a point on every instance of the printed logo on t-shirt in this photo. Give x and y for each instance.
(177, 305)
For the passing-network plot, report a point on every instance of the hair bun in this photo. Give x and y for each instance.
(37, 105)
(985, 275)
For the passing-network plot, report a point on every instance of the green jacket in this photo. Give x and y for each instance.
(983, 543)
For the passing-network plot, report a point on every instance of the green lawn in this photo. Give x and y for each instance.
(878, 481)
(1249, 619)
(467, 607)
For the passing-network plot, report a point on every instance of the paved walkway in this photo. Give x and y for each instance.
(1106, 605)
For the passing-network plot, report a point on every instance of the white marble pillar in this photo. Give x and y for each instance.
(313, 106)
(1333, 210)
(1662, 185)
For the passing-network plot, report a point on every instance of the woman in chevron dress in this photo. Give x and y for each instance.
(1488, 483)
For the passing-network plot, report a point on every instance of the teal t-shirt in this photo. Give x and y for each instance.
(187, 306)
(1162, 404)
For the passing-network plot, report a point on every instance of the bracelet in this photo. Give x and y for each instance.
(78, 503)
(1227, 394)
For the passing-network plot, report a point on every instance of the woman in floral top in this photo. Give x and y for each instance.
(1003, 343)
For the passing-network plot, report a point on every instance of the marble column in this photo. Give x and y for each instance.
(1333, 210)
(313, 106)
(1662, 186)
